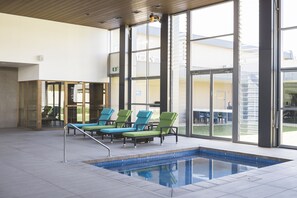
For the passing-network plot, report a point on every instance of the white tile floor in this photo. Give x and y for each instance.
(31, 166)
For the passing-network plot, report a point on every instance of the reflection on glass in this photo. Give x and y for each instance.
(115, 40)
(289, 127)
(290, 89)
(154, 98)
(154, 63)
(178, 72)
(249, 71)
(154, 35)
(139, 38)
(204, 24)
(289, 108)
(139, 64)
(201, 107)
(212, 53)
(154, 91)
(114, 92)
(135, 109)
(222, 104)
(289, 48)
(139, 91)
(288, 13)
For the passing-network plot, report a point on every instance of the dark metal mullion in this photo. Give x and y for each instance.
(189, 88)
(291, 69)
(289, 28)
(129, 68)
(122, 67)
(215, 71)
(279, 120)
(144, 78)
(236, 75)
(211, 105)
(144, 50)
(211, 37)
(164, 64)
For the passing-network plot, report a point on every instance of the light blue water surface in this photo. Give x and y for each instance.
(187, 167)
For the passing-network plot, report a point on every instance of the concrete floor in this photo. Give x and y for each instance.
(31, 166)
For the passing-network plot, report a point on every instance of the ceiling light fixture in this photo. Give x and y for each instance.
(154, 18)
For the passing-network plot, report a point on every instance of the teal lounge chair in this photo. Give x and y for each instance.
(163, 129)
(143, 118)
(105, 115)
(123, 116)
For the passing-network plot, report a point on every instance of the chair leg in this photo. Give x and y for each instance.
(134, 142)
(68, 130)
(111, 138)
(74, 132)
(161, 139)
(176, 138)
(124, 142)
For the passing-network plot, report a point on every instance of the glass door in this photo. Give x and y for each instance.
(201, 104)
(74, 102)
(288, 110)
(52, 104)
(212, 103)
(222, 105)
(84, 101)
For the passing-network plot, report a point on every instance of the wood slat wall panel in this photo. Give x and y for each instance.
(74, 11)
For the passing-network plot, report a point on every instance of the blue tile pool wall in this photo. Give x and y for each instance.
(204, 152)
(262, 161)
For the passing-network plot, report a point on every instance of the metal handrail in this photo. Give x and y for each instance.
(72, 125)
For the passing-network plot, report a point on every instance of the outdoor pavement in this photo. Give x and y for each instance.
(31, 166)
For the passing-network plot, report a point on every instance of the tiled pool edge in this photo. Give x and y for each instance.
(192, 188)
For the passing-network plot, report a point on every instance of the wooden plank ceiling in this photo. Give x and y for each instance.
(107, 14)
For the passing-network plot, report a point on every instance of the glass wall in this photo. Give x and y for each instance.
(249, 70)
(211, 63)
(288, 79)
(212, 39)
(145, 69)
(178, 69)
(114, 69)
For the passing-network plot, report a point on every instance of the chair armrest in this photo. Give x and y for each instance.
(139, 125)
(171, 129)
(129, 124)
(151, 125)
(116, 123)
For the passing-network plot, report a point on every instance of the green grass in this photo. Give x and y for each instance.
(289, 128)
(225, 130)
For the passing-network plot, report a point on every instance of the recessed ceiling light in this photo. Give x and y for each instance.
(157, 6)
(136, 11)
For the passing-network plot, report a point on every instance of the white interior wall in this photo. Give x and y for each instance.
(69, 52)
